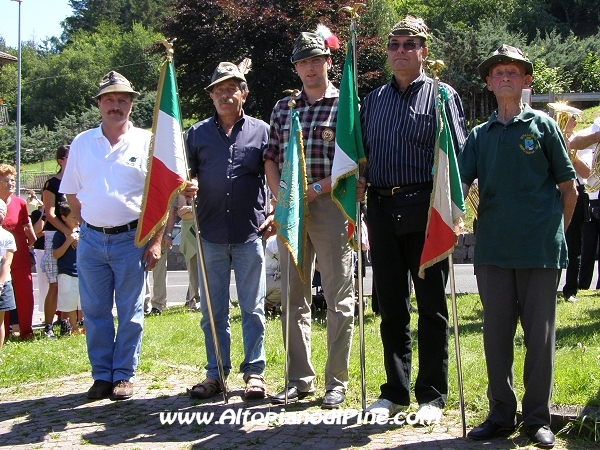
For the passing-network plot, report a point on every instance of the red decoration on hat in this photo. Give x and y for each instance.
(331, 40)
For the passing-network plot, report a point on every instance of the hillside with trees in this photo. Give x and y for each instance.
(60, 74)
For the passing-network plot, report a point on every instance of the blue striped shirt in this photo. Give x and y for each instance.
(399, 131)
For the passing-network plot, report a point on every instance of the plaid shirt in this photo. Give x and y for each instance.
(318, 131)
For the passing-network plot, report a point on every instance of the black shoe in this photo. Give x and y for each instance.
(100, 389)
(333, 399)
(488, 430)
(541, 436)
(48, 331)
(292, 394)
(65, 327)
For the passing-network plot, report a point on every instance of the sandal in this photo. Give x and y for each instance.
(255, 387)
(208, 388)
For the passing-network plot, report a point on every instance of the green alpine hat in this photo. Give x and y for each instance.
(225, 71)
(506, 53)
(309, 45)
(410, 26)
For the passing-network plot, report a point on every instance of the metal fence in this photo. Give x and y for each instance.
(567, 97)
(35, 180)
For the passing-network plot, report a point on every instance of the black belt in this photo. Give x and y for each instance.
(115, 230)
(409, 189)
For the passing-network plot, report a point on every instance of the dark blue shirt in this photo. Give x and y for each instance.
(399, 129)
(67, 263)
(231, 181)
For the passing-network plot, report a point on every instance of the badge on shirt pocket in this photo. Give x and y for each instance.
(328, 134)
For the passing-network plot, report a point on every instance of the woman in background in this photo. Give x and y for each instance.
(52, 199)
(18, 223)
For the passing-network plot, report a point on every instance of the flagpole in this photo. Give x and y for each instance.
(286, 371)
(202, 274)
(353, 11)
(457, 346)
(435, 66)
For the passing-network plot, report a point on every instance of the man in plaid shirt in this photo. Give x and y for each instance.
(317, 109)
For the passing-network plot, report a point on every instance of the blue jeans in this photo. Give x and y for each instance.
(247, 261)
(110, 270)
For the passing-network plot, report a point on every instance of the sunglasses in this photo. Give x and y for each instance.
(408, 46)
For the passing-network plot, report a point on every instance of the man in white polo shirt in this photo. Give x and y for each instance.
(104, 184)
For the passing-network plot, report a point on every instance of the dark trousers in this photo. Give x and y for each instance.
(589, 249)
(510, 296)
(393, 257)
(574, 239)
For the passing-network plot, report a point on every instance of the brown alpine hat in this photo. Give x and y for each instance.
(115, 82)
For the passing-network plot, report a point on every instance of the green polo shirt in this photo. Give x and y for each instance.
(518, 165)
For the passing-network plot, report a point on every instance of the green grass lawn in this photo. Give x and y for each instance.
(174, 340)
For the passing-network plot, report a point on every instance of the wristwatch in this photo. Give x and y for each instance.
(169, 235)
(318, 188)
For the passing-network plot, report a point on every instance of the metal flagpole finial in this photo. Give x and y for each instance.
(168, 47)
(435, 66)
(353, 10)
(293, 93)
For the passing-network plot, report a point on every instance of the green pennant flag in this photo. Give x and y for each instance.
(292, 204)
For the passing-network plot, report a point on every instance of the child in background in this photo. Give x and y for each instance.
(7, 247)
(64, 250)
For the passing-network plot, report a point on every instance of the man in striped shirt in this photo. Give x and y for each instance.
(399, 129)
(316, 105)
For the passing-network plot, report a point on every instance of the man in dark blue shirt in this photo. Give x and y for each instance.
(225, 155)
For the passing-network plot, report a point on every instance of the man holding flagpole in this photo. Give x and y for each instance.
(399, 132)
(225, 155)
(104, 184)
(316, 106)
(108, 183)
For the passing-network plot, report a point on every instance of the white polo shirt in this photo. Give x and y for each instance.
(108, 181)
(587, 155)
(7, 243)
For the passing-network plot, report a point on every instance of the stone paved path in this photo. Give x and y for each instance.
(57, 414)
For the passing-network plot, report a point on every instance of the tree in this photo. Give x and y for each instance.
(590, 71)
(65, 82)
(549, 79)
(88, 15)
(581, 16)
(212, 31)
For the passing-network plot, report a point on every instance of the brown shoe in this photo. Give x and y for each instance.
(122, 390)
(100, 389)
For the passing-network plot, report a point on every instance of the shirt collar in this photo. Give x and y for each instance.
(330, 92)
(241, 120)
(525, 116)
(417, 83)
(99, 134)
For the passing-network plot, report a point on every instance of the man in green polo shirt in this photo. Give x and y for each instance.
(527, 196)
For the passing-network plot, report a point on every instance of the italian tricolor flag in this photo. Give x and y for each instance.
(167, 167)
(349, 149)
(447, 204)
